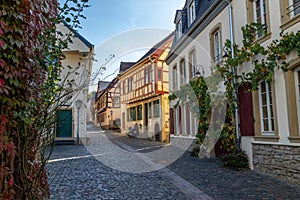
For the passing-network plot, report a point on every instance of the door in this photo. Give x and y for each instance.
(64, 124)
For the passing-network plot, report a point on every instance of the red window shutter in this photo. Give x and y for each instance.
(246, 110)
(171, 121)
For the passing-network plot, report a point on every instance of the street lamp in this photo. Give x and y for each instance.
(78, 103)
(199, 70)
(233, 71)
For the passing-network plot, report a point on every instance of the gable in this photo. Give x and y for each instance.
(79, 43)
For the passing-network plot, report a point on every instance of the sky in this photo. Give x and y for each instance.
(126, 29)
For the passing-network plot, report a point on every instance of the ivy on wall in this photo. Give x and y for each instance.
(264, 60)
(31, 90)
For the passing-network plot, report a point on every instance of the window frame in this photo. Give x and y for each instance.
(191, 13)
(292, 10)
(182, 70)
(270, 109)
(175, 76)
(179, 28)
(192, 63)
(156, 110)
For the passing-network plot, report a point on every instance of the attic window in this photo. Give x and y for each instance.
(179, 28)
(191, 13)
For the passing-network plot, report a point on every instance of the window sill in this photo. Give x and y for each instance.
(263, 38)
(294, 139)
(267, 138)
(290, 22)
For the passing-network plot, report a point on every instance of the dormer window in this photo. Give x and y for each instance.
(191, 13)
(179, 28)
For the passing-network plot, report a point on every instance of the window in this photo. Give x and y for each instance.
(182, 71)
(192, 64)
(148, 75)
(179, 29)
(297, 87)
(116, 100)
(260, 14)
(140, 112)
(156, 108)
(266, 108)
(150, 110)
(159, 74)
(130, 84)
(124, 87)
(292, 88)
(216, 44)
(290, 10)
(294, 7)
(191, 13)
(132, 114)
(175, 77)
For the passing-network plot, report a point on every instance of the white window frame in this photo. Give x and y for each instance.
(270, 111)
(217, 46)
(193, 63)
(191, 13)
(182, 71)
(292, 9)
(175, 77)
(179, 28)
(297, 88)
(261, 10)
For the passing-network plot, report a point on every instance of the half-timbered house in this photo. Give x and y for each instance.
(144, 94)
(108, 105)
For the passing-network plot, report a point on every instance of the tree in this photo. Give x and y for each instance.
(31, 90)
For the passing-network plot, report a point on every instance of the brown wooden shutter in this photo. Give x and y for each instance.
(171, 121)
(246, 110)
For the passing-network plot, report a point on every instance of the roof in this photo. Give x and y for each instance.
(108, 86)
(156, 47)
(103, 85)
(125, 66)
(80, 37)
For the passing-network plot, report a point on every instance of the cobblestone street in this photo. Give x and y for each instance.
(112, 166)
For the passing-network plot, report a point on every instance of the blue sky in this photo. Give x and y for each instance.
(107, 18)
(125, 28)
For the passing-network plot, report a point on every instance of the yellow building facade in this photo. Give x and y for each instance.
(144, 95)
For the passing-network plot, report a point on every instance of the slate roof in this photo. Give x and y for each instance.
(125, 66)
(80, 37)
(156, 47)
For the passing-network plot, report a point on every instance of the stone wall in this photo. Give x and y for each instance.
(281, 161)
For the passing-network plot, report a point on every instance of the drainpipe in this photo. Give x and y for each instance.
(233, 70)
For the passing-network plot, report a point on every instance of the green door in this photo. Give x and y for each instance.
(64, 124)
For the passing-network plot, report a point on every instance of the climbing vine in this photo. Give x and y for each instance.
(264, 60)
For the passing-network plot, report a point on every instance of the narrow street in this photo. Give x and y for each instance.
(113, 166)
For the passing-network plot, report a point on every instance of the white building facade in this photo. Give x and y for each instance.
(270, 133)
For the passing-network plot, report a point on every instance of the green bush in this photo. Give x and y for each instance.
(236, 161)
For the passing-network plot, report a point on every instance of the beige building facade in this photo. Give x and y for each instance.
(270, 134)
(71, 116)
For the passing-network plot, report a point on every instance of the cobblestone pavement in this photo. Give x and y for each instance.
(101, 170)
